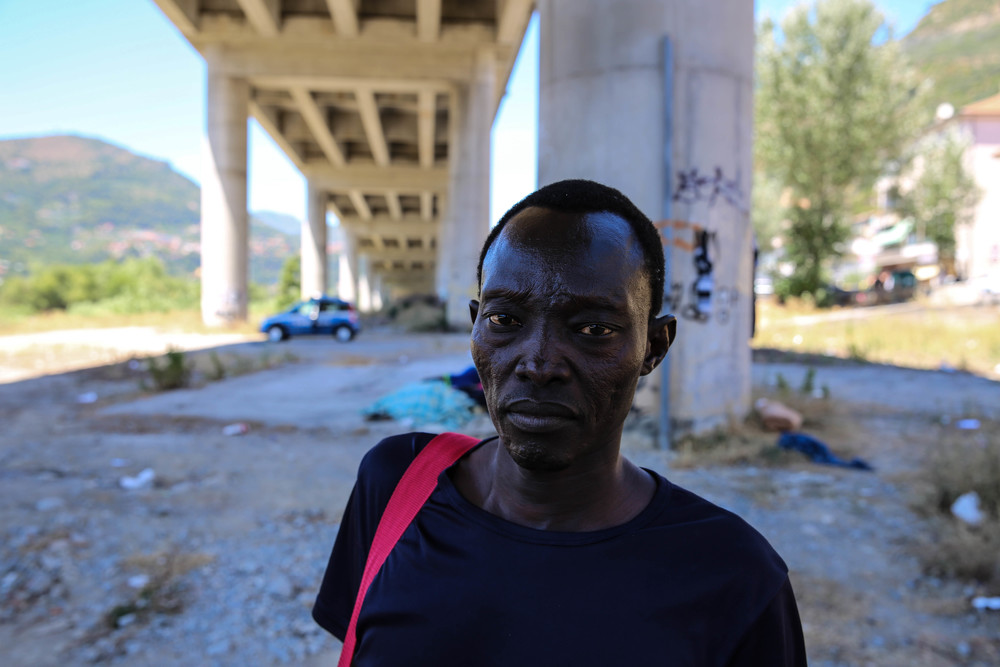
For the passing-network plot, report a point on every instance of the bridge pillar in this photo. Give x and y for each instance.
(314, 261)
(466, 221)
(347, 276)
(224, 247)
(364, 284)
(604, 115)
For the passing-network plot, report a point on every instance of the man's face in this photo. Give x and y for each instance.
(561, 334)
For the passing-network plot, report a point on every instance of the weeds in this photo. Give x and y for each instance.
(808, 382)
(162, 591)
(173, 373)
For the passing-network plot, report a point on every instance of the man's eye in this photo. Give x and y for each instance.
(595, 330)
(502, 320)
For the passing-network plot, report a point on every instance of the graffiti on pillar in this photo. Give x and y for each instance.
(230, 306)
(693, 186)
(700, 300)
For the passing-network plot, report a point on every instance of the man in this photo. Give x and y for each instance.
(544, 545)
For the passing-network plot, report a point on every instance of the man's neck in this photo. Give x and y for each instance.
(600, 493)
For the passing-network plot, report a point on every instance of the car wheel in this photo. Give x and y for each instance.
(343, 333)
(276, 334)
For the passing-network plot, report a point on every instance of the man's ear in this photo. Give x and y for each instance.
(473, 310)
(662, 331)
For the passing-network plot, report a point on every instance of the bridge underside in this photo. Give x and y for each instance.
(386, 108)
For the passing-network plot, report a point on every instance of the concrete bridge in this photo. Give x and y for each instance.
(386, 108)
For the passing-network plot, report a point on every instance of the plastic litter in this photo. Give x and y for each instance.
(777, 416)
(982, 603)
(818, 452)
(87, 397)
(968, 424)
(138, 581)
(144, 478)
(966, 508)
(239, 428)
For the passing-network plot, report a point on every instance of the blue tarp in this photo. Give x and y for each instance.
(431, 402)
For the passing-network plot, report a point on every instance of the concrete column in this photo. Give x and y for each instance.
(364, 285)
(377, 294)
(602, 115)
(224, 247)
(314, 278)
(347, 275)
(466, 221)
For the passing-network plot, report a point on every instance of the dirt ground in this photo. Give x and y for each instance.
(214, 556)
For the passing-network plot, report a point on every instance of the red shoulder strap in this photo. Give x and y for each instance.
(410, 494)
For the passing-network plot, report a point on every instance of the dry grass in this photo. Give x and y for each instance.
(960, 462)
(747, 443)
(964, 338)
(182, 320)
(163, 592)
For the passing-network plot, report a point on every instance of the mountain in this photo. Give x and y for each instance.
(74, 200)
(957, 46)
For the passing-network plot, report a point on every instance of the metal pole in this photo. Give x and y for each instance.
(665, 434)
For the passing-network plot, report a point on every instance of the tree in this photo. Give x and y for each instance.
(943, 194)
(835, 101)
(289, 285)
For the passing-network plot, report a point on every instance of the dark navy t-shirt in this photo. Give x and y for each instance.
(683, 583)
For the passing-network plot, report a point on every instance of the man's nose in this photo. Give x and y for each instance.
(542, 358)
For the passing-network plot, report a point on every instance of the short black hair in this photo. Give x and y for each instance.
(582, 196)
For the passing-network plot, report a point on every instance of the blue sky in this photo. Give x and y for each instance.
(119, 71)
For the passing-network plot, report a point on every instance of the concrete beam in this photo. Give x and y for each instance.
(399, 254)
(333, 208)
(427, 205)
(345, 17)
(340, 84)
(360, 204)
(382, 226)
(352, 60)
(395, 208)
(428, 20)
(263, 15)
(183, 14)
(512, 20)
(368, 110)
(269, 121)
(374, 179)
(426, 119)
(316, 120)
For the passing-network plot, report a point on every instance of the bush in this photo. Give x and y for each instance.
(132, 286)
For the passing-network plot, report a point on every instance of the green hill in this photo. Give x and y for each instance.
(957, 46)
(75, 200)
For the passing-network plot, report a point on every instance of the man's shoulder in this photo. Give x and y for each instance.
(386, 462)
(719, 533)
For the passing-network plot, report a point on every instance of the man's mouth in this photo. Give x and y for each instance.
(538, 416)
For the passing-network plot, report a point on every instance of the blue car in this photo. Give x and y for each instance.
(324, 315)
